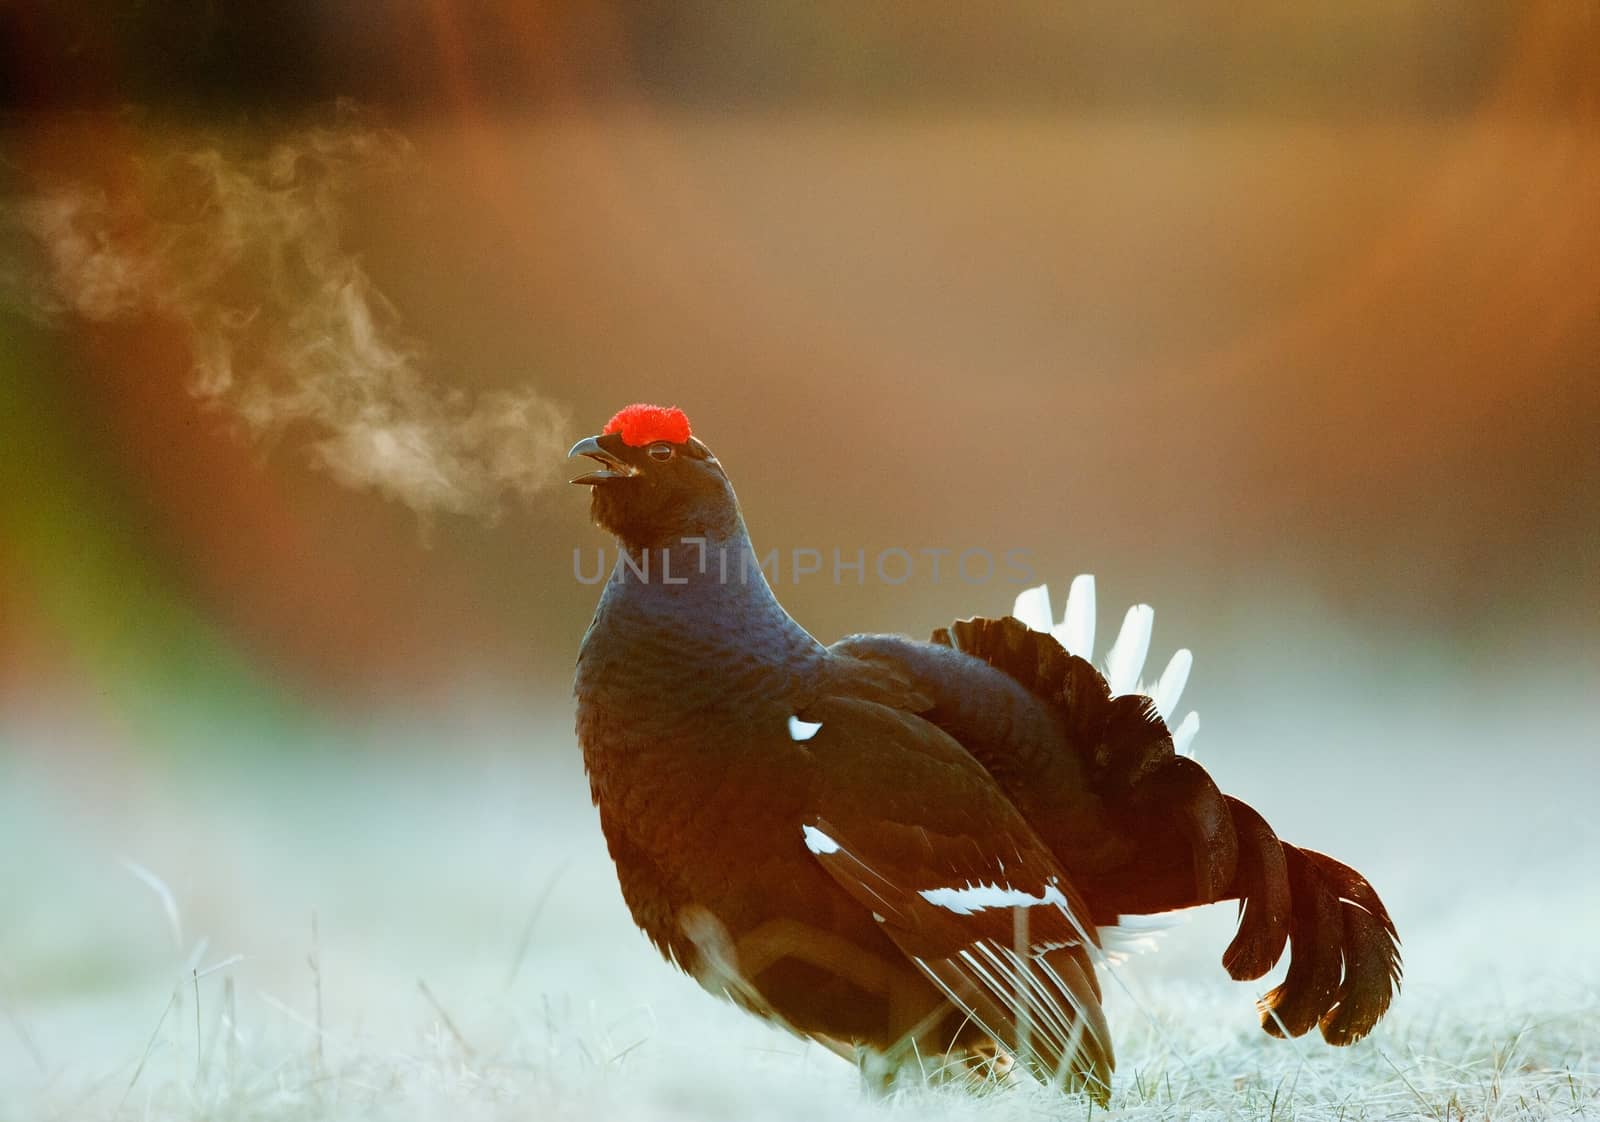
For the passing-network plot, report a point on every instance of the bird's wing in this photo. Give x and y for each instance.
(1071, 756)
(918, 834)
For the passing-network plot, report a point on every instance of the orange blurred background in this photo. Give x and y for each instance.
(1270, 319)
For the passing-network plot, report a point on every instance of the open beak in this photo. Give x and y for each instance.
(610, 466)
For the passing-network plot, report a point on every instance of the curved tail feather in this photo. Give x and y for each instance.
(1362, 934)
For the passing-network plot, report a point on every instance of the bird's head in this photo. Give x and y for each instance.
(656, 483)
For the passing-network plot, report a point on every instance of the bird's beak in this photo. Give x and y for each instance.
(611, 466)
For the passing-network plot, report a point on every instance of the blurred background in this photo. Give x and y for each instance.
(1284, 319)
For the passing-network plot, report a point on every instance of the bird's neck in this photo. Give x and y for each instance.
(683, 617)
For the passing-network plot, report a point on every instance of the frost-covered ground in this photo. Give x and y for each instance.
(399, 934)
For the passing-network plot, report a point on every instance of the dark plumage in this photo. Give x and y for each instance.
(903, 850)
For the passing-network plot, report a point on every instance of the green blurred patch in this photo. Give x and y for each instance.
(81, 552)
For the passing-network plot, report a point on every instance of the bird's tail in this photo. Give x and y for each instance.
(1181, 842)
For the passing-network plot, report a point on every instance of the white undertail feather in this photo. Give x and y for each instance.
(1075, 632)
(1183, 735)
(1132, 935)
(1169, 687)
(1033, 608)
(1125, 660)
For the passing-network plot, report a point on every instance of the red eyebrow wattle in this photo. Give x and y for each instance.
(642, 424)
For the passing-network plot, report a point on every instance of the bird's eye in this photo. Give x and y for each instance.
(660, 451)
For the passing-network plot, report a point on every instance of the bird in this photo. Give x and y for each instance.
(916, 853)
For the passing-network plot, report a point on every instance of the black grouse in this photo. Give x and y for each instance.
(906, 850)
